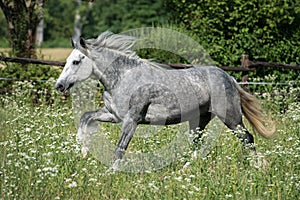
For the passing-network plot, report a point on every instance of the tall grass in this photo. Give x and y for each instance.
(40, 159)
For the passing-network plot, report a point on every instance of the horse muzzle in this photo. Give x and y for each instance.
(63, 87)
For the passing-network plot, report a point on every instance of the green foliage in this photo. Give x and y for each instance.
(169, 44)
(160, 56)
(267, 30)
(3, 32)
(116, 16)
(281, 94)
(36, 73)
(59, 19)
(4, 43)
(57, 42)
(121, 15)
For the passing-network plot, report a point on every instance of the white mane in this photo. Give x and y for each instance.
(123, 44)
(120, 43)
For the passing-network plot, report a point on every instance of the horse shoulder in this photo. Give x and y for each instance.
(110, 103)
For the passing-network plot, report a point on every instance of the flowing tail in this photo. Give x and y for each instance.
(254, 113)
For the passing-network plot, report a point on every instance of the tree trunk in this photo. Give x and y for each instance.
(77, 23)
(40, 27)
(22, 18)
(79, 19)
(40, 33)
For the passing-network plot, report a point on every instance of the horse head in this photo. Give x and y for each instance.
(78, 67)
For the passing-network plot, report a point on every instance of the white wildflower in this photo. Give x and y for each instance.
(72, 184)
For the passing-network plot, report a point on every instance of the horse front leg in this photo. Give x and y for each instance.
(128, 129)
(88, 126)
(102, 115)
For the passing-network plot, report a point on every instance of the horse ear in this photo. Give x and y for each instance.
(82, 42)
(82, 46)
(74, 44)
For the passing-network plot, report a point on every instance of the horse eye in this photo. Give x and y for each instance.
(76, 62)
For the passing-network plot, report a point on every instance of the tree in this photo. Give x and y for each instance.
(22, 17)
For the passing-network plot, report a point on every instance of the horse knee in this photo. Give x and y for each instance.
(85, 118)
(87, 123)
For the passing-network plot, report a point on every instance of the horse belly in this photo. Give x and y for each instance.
(158, 114)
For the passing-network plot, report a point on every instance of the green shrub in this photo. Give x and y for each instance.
(267, 30)
(36, 73)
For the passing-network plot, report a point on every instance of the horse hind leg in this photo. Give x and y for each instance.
(231, 115)
(198, 125)
(257, 159)
(241, 132)
(233, 121)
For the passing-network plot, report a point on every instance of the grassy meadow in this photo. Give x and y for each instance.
(40, 158)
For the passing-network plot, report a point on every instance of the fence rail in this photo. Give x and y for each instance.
(246, 65)
(31, 61)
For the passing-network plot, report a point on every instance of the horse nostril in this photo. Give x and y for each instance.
(59, 87)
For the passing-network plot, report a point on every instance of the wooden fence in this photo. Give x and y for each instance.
(246, 65)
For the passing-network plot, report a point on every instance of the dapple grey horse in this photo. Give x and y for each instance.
(138, 91)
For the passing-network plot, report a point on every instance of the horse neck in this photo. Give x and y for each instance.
(110, 71)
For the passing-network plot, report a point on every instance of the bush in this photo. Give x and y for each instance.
(35, 73)
(267, 30)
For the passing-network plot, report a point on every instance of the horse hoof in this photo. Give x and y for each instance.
(116, 165)
(84, 152)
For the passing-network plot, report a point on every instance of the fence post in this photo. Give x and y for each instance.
(245, 74)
